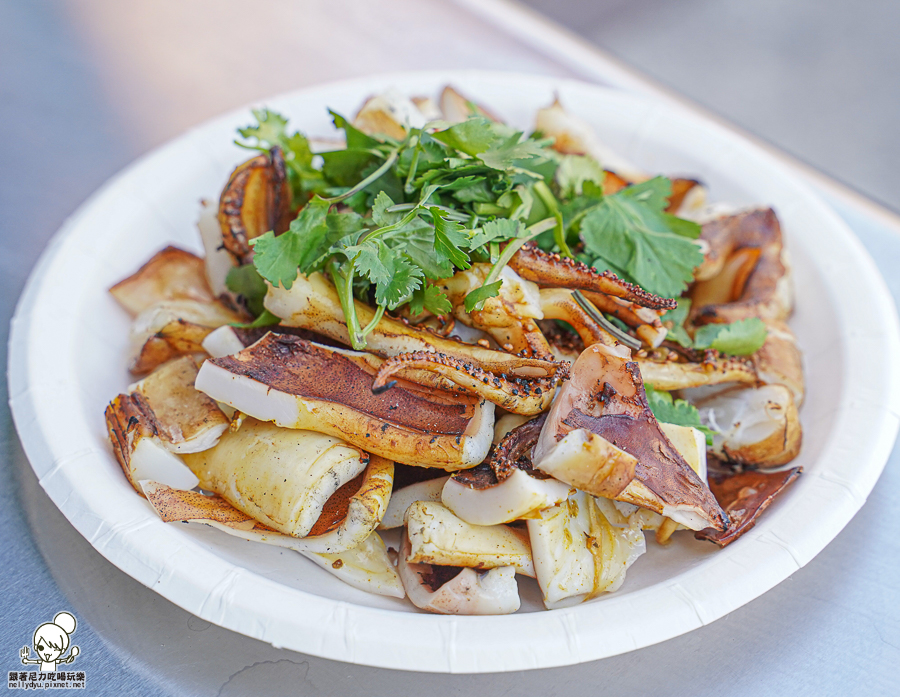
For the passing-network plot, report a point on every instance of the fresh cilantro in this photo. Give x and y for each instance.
(430, 298)
(675, 411)
(629, 232)
(477, 297)
(574, 171)
(449, 240)
(280, 259)
(507, 153)
(674, 320)
(740, 338)
(472, 136)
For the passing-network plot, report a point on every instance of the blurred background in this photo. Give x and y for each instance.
(86, 86)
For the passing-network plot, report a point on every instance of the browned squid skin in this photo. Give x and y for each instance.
(256, 199)
(744, 273)
(514, 450)
(605, 396)
(546, 269)
(525, 396)
(744, 496)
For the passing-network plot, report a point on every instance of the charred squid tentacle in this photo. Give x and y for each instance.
(518, 395)
(545, 269)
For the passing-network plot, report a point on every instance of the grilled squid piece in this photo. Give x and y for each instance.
(669, 375)
(366, 566)
(174, 328)
(278, 476)
(559, 303)
(389, 114)
(509, 318)
(256, 199)
(436, 536)
(505, 487)
(163, 414)
(545, 269)
(601, 437)
(456, 107)
(578, 554)
(746, 273)
(428, 490)
(779, 361)
(312, 303)
(745, 496)
(217, 261)
(517, 395)
(757, 426)
(171, 274)
(458, 591)
(300, 384)
(576, 137)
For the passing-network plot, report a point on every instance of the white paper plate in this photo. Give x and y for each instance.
(67, 360)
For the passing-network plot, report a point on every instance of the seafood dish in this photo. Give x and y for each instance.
(434, 353)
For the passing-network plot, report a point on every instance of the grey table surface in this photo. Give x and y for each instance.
(832, 627)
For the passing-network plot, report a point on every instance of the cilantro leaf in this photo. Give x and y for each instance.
(677, 318)
(404, 279)
(574, 171)
(449, 240)
(270, 129)
(430, 298)
(740, 338)
(246, 282)
(504, 154)
(629, 231)
(479, 295)
(675, 411)
(278, 259)
(379, 210)
(472, 136)
(499, 229)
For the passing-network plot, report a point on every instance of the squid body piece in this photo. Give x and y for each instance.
(160, 416)
(436, 536)
(451, 591)
(578, 553)
(366, 566)
(171, 274)
(755, 425)
(401, 499)
(303, 385)
(299, 483)
(601, 437)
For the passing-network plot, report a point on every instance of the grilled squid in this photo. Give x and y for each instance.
(367, 566)
(746, 273)
(171, 274)
(312, 303)
(303, 385)
(256, 199)
(162, 416)
(578, 553)
(601, 437)
(458, 591)
(509, 318)
(505, 487)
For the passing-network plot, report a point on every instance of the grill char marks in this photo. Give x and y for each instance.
(295, 366)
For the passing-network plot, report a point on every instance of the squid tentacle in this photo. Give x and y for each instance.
(517, 395)
(546, 269)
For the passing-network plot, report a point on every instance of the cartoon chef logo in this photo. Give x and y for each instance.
(51, 641)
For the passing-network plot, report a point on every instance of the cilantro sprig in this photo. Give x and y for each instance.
(387, 219)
